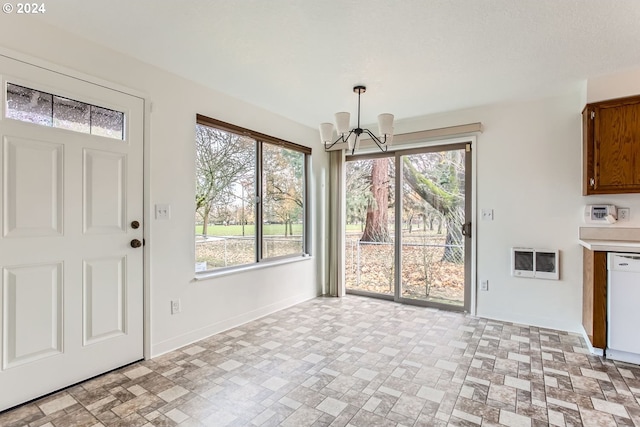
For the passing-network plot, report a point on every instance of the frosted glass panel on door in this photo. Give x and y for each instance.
(29, 105)
(72, 115)
(105, 122)
(34, 106)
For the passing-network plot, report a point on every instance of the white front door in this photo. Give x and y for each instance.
(71, 187)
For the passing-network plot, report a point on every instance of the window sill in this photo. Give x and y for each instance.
(244, 268)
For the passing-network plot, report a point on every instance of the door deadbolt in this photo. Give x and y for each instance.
(135, 225)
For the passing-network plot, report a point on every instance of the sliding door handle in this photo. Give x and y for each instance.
(466, 229)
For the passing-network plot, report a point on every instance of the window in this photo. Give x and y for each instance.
(34, 106)
(250, 196)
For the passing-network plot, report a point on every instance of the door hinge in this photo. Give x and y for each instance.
(592, 182)
(593, 115)
(468, 148)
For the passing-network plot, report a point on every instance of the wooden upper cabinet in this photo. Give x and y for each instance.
(611, 146)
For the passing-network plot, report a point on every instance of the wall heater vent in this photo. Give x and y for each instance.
(536, 263)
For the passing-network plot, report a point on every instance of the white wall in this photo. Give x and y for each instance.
(528, 172)
(208, 306)
(615, 85)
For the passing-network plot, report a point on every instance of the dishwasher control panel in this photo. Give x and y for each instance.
(624, 262)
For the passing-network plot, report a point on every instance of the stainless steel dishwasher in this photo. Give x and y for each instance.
(623, 307)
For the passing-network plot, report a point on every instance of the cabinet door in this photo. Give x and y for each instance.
(616, 146)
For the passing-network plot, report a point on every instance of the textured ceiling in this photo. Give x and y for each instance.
(301, 58)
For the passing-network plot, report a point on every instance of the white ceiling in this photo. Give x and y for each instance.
(301, 58)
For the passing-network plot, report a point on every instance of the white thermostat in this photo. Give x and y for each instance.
(600, 214)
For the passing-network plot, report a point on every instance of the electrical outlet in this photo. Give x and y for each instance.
(624, 214)
(484, 285)
(175, 306)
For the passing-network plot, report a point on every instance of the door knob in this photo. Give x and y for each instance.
(135, 243)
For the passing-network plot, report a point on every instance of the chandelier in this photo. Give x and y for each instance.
(352, 137)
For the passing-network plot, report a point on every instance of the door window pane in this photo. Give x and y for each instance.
(33, 106)
(433, 212)
(106, 122)
(225, 199)
(283, 202)
(29, 105)
(369, 240)
(71, 115)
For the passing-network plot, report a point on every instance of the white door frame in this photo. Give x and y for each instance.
(28, 59)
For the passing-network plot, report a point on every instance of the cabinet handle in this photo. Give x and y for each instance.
(592, 182)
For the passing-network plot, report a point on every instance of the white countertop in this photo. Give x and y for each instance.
(611, 245)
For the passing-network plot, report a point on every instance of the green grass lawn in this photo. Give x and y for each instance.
(249, 230)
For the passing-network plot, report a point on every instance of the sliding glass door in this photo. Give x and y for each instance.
(433, 252)
(408, 234)
(370, 232)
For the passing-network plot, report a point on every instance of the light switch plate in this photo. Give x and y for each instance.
(175, 306)
(487, 214)
(163, 211)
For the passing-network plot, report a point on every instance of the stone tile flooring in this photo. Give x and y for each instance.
(358, 362)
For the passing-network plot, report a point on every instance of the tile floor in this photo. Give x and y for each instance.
(358, 362)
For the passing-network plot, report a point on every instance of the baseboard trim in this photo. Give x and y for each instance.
(190, 337)
(592, 349)
(538, 322)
